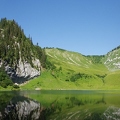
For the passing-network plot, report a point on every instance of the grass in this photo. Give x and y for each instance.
(53, 80)
(47, 81)
(71, 63)
(6, 89)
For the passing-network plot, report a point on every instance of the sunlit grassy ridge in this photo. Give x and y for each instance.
(75, 71)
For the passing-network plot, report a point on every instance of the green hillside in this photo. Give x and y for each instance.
(75, 71)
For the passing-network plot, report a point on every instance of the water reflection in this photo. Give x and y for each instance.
(20, 108)
(59, 105)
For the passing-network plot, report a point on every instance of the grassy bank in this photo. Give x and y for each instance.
(62, 81)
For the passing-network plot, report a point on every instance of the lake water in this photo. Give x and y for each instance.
(60, 105)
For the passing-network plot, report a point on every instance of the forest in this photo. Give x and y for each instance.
(14, 45)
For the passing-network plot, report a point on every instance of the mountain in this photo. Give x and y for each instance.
(111, 60)
(71, 70)
(21, 59)
(74, 58)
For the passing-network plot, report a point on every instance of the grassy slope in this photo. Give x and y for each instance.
(94, 76)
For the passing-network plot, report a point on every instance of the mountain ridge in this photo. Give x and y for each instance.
(104, 59)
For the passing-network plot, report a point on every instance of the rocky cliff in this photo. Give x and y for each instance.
(24, 71)
(21, 59)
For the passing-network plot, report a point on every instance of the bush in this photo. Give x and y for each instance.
(4, 79)
(77, 76)
(16, 86)
(3, 84)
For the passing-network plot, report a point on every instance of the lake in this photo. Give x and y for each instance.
(60, 105)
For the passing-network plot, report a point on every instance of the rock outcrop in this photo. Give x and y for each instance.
(112, 60)
(23, 71)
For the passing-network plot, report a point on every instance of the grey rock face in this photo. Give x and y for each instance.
(24, 71)
(112, 60)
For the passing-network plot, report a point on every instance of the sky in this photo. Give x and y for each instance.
(90, 27)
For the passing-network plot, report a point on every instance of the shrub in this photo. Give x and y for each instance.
(16, 86)
(4, 79)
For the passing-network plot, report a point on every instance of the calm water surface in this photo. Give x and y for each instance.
(60, 105)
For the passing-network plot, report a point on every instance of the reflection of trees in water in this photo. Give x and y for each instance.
(21, 108)
(18, 107)
(70, 102)
(80, 113)
(5, 97)
(101, 101)
(73, 101)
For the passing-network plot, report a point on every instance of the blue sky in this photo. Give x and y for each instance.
(90, 27)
